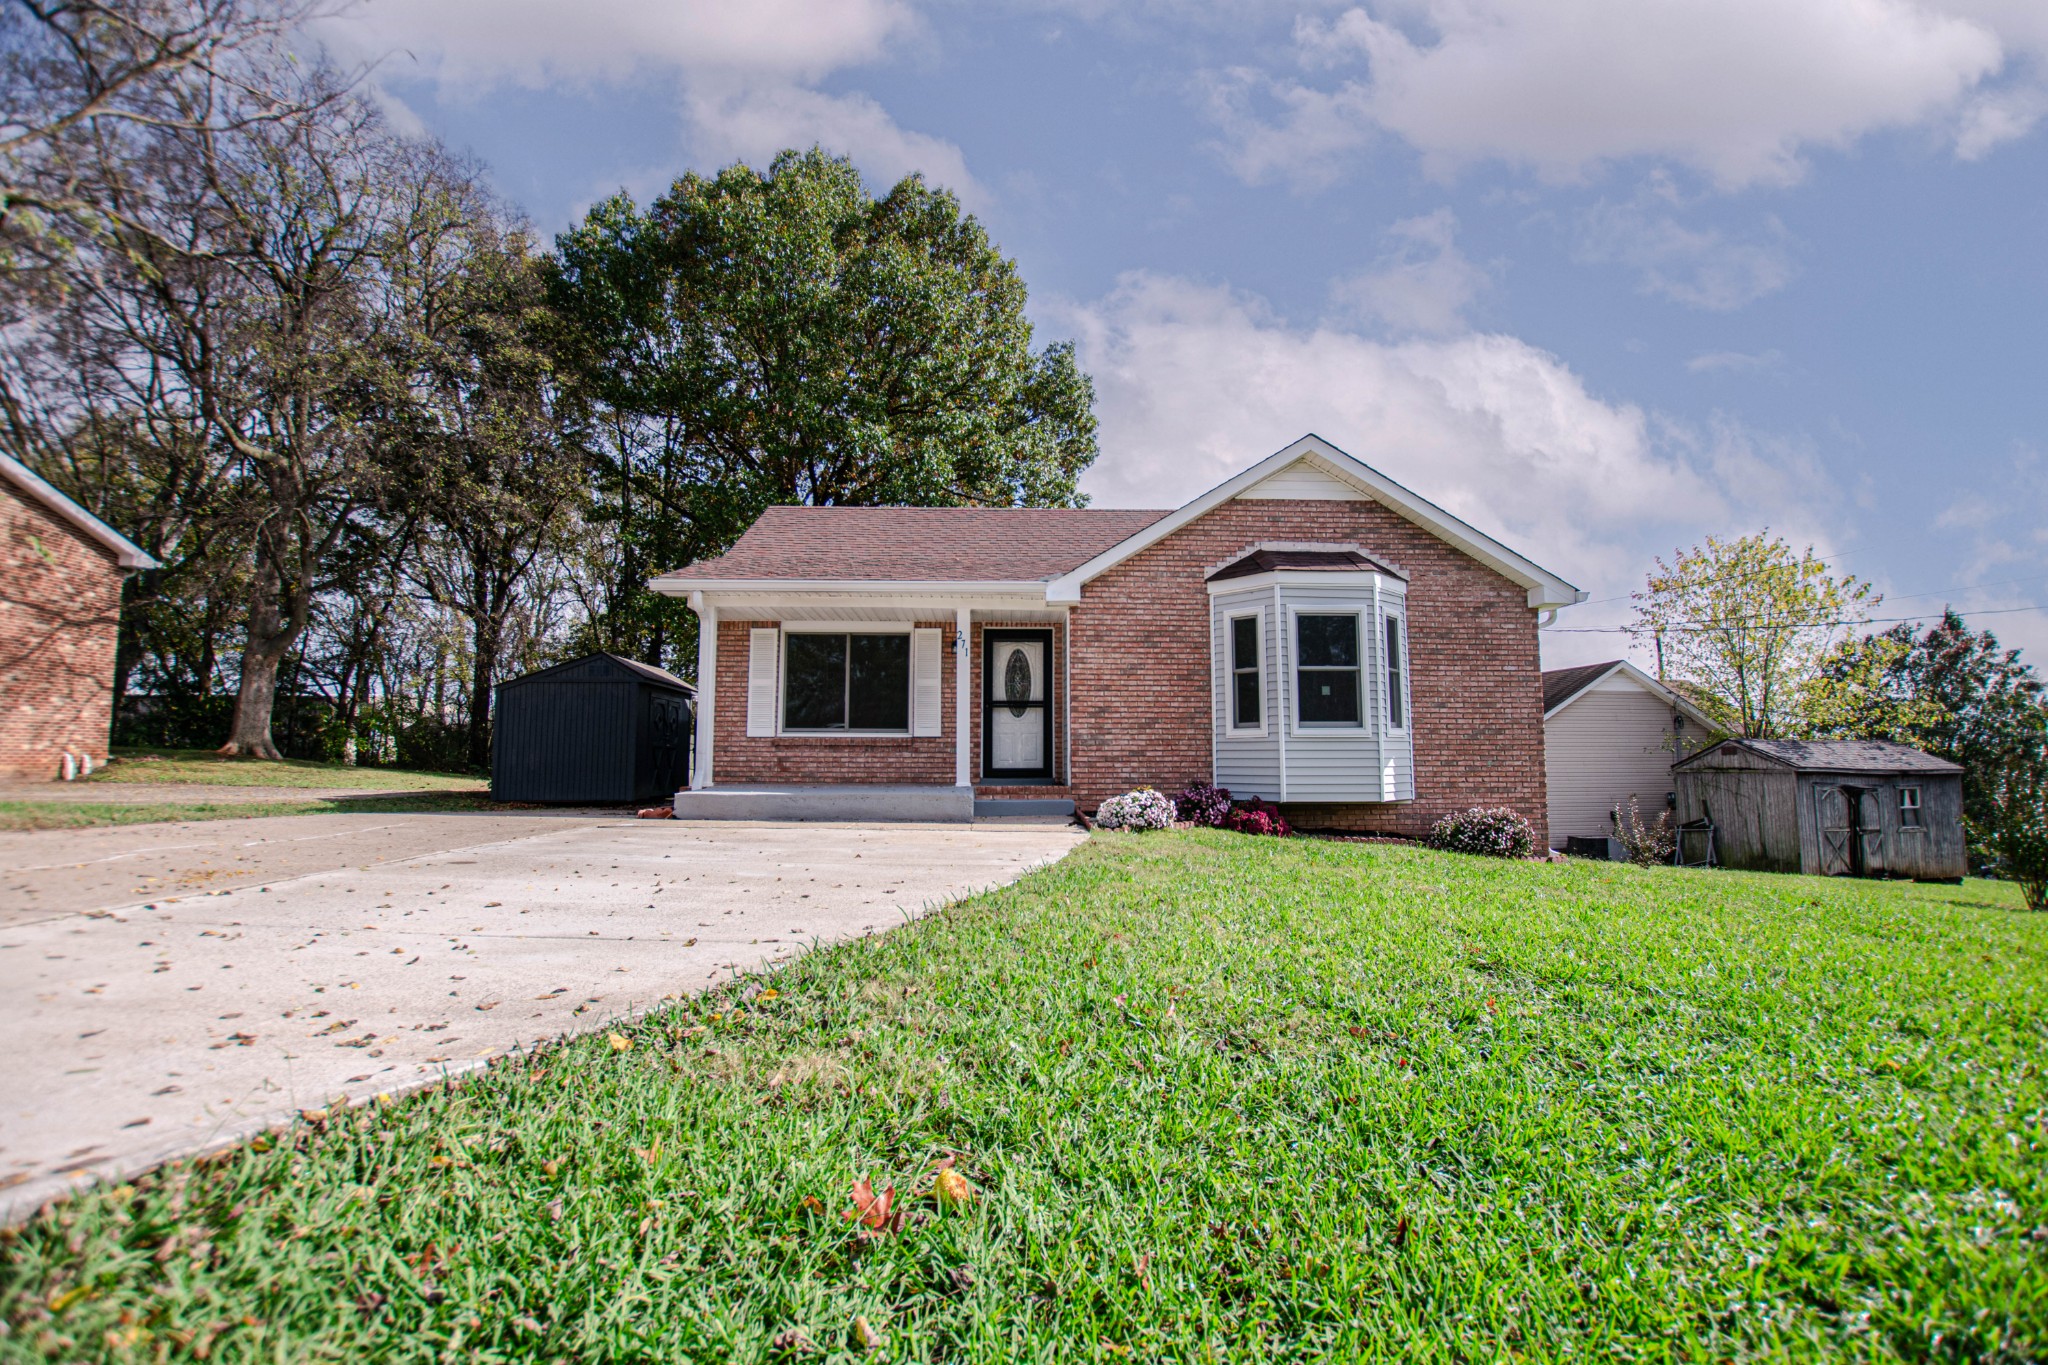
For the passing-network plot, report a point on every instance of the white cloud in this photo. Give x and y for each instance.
(1703, 267)
(1740, 90)
(746, 71)
(1424, 285)
(484, 43)
(1194, 381)
(1735, 362)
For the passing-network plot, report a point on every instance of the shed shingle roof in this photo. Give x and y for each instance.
(1840, 755)
(920, 544)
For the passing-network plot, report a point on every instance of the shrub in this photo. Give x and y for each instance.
(1256, 817)
(2016, 827)
(1494, 833)
(1204, 805)
(1141, 809)
(1648, 843)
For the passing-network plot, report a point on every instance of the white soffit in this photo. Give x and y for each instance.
(1546, 591)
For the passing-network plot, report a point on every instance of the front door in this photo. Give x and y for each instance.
(1016, 705)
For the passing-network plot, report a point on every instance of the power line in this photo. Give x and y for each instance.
(1758, 625)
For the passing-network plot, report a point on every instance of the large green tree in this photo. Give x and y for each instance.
(754, 338)
(1747, 622)
(1951, 690)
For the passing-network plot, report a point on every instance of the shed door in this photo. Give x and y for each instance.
(1868, 807)
(1831, 822)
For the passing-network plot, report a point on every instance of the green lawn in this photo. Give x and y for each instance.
(25, 815)
(204, 765)
(1223, 1099)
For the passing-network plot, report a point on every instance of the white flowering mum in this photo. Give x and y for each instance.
(1141, 809)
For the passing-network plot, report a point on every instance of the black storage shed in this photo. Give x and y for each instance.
(600, 729)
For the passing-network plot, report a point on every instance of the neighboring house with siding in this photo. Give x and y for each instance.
(1308, 632)
(60, 612)
(1610, 734)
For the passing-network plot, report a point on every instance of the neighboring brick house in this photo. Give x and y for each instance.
(1308, 632)
(60, 610)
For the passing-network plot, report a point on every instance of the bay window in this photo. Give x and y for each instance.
(1247, 674)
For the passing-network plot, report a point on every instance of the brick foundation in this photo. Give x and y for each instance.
(60, 611)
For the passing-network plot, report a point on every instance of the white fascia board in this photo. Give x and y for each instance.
(1546, 590)
(671, 586)
(1327, 578)
(126, 552)
(1623, 668)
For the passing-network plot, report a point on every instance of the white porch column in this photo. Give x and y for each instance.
(963, 696)
(707, 690)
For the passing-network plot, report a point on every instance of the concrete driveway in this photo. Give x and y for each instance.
(140, 1031)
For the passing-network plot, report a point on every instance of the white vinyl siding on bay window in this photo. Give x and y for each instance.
(1336, 707)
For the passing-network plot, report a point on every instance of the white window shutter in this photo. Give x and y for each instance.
(762, 650)
(925, 668)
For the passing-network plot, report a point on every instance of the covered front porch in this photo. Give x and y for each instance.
(845, 704)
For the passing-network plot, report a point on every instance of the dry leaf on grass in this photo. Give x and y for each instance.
(620, 1042)
(951, 1189)
(876, 1213)
(866, 1338)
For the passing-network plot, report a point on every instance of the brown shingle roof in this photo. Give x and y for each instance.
(1560, 685)
(1836, 755)
(1325, 561)
(921, 544)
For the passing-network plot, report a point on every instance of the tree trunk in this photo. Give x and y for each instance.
(483, 672)
(271, 634)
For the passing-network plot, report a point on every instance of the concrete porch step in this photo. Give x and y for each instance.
(1015, 807)
(890, 803)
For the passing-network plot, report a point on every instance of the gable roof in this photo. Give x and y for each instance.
(1560, 685)
(1563, 686)
(126, 552)
(1546, 590)
(646, 672)
(1836, 755)
(915, 544)
(1269, 560)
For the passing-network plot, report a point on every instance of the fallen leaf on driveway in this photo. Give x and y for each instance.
(338, 1026)
(364, 1041)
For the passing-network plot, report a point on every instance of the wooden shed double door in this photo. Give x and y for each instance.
(1850, 823)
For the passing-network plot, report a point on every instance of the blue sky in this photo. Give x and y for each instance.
(1602, 276)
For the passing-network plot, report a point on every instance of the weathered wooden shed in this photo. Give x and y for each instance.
(601, 728)
(1857, 807)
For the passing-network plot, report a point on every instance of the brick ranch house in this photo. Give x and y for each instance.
(1308, 632)
(60, 610)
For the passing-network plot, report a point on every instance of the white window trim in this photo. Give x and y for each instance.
(1919, 809)
(789, 628)
(1231, 729)
(1395, 613)
(1295, 724)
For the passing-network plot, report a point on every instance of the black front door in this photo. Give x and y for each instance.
(1016, 705)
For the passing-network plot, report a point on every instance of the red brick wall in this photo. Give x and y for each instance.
(1141, 686)
(60, 608)
(737, 760)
